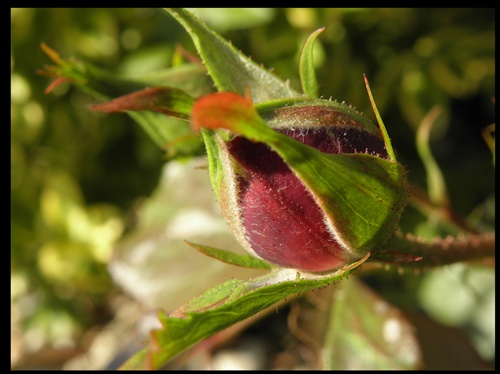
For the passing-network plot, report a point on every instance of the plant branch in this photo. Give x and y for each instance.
(441, 251)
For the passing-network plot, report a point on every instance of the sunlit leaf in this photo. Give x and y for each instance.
(363, 332)
(230, 69)
(228, 304)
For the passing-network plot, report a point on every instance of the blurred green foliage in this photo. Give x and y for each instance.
(77, 177)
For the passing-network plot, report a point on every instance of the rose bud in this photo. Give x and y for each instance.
(304, 184)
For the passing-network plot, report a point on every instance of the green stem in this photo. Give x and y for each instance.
(442, 251)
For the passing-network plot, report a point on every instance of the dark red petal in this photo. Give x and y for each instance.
(281, 219)
(282, 222)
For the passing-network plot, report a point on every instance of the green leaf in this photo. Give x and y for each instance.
(306, 66)
(436, 184)
(349, 327)
(231, 258)
(230, 69)
(208, 299)
(363, 332)
(234, 301)
(137, 361)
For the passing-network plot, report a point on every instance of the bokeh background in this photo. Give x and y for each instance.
(99, 213)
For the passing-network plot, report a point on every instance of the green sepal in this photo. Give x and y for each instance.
(383, 130)
(170, 101)
(231, 258)
(269, 113)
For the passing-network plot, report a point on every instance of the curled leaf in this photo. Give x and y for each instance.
(224, 306)
(306, 66)
(435, 180)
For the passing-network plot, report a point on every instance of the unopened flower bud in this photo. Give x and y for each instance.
(315, 207)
